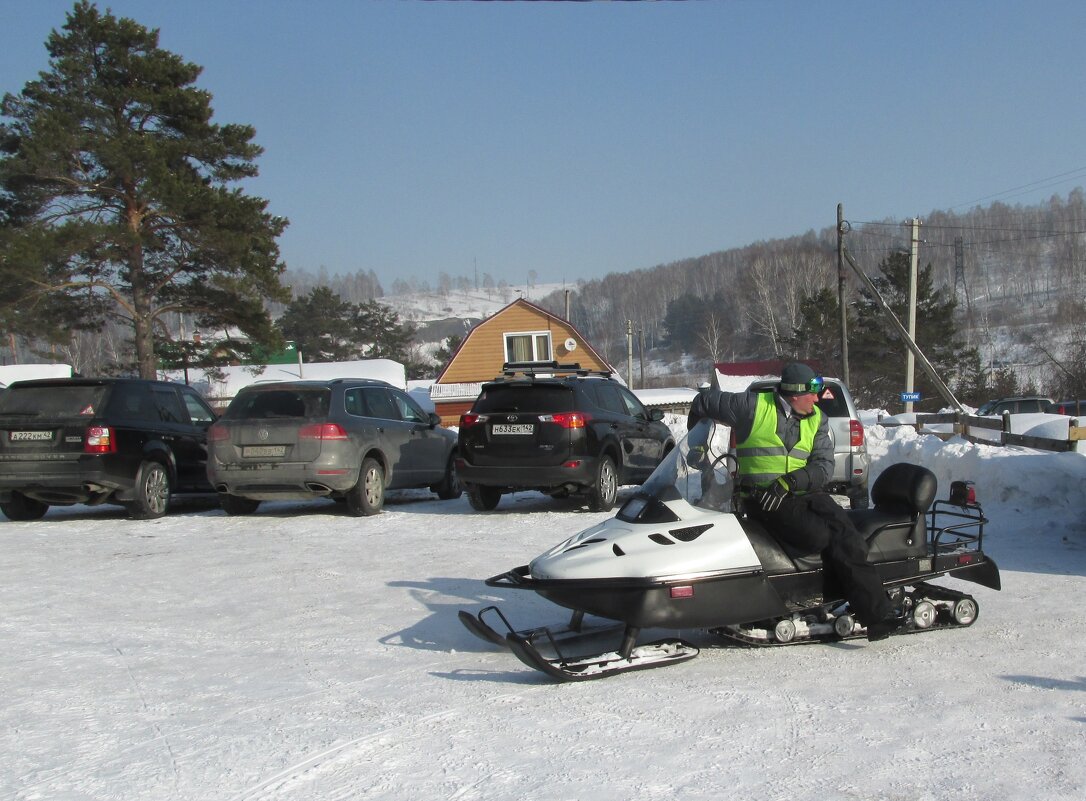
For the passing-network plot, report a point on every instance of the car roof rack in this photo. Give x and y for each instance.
(548, 370)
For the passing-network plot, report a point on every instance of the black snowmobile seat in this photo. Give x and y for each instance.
(895, 526)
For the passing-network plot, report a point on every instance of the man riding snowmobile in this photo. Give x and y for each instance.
(785, 457)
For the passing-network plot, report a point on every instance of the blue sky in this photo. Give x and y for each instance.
(578, 139)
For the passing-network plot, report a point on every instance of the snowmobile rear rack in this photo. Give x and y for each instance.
(968, 534)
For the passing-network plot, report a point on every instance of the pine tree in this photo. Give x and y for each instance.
(321, 326)
(877, 354)
(118, 196)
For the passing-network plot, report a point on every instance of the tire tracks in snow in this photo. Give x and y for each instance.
(283, 780)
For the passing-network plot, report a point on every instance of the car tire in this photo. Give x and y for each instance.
(859, 498)
(367, 497)
(449, 488)
(604, 490)
(152, 492)
(21, 508)
(237, 505)
(483, 499)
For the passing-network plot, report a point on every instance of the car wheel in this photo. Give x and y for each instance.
(483, 499)
(368, 495)
(152, 492)
(21, 508)
(236, 505)
(604, 490)
(449, 487)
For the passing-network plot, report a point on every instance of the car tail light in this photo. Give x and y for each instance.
(99, 439)
(855, 434)
(468, 419)
(566, 419)
(322, 431)
(217, 433)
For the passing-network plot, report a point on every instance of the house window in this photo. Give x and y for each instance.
(528, 346)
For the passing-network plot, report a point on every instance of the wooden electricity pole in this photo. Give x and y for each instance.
(841, 291)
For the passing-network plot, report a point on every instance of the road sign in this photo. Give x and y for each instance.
(910, 397)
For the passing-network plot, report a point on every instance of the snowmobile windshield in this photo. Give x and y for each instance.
(698, 470)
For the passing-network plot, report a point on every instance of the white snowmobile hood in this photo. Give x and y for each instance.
(700, 545)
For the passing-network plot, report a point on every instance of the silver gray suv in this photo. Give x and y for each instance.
(850, 463)
(347, 439)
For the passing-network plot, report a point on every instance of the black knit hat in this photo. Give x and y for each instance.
(798, 379)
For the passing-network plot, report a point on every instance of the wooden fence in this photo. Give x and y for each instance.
(963, 425)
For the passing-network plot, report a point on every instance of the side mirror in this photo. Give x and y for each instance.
(435, 420)
(656, 415)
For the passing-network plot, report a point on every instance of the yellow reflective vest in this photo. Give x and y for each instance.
(762, 456)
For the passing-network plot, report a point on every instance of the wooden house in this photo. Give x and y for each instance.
(519, 332)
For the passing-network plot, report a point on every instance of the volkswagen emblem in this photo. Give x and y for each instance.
(262, 434)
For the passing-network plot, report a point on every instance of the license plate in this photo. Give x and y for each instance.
(251, 451)
(518, 428)
(31, 436)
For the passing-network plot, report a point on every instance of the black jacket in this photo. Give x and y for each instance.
(736, 409)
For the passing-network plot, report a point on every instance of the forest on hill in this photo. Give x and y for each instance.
(1015, 275)
(1009, 281)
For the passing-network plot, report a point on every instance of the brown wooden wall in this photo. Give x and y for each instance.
(450, 411)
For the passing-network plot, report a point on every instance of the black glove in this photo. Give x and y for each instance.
(697, 409)
(772, 496)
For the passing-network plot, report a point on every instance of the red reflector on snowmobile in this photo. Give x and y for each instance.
(965, 559)
(682, 592)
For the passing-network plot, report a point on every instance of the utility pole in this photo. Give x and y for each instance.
(641, 353)
(629, 352)
(841, 291)
(910, 359)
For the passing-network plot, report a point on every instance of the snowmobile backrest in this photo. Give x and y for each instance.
(904, 487)
(896, 528)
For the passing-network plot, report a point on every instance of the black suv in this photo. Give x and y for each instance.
(100, 440)
(560, 430)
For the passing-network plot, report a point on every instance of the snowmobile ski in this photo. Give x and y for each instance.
(598, 666)
(574, 630)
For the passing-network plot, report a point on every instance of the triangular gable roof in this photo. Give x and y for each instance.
(534, 307)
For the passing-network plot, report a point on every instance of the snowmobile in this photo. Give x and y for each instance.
(681, 554)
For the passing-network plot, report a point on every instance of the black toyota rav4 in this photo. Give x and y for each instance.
(110, 440)
(560, 430)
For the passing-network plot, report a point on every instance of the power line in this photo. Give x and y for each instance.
(1025, 188)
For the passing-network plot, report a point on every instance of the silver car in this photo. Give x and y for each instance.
(347, 439)
(850, 462)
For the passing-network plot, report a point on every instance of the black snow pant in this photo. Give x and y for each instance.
(815, 523)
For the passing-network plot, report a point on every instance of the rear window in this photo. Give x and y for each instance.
(832, 403)
(524, 398)
(53, 401)
(279, 403)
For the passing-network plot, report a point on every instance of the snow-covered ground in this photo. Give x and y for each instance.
(304, 654)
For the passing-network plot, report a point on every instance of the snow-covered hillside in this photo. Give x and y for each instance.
(421, 307)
